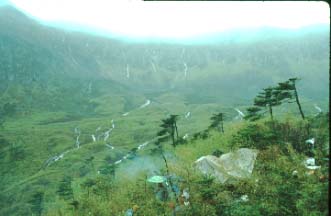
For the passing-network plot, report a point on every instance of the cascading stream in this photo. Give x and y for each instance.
(318, 109)
(96, 137)
(185, 69)
(240, 115)
(127, 71)
(148, 102)
(187, 115)
(77, 131)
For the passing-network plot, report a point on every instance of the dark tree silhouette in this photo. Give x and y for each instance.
(285, 91)
(37, 202)
(293, 80)
(217, 122)
(169, 129)
(108, 170)
(267, 100)
(88, 184)
(253, 113)
(65, 190)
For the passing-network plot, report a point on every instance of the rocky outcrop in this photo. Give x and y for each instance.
(234, 165)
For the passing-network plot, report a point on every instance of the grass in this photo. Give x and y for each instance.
(33, 138)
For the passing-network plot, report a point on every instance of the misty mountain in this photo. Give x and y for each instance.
(35, 54)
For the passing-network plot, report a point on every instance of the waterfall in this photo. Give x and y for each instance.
(240, 114)
(77, 131)
(145, 104)
(127, 71)
(188, 114)
(185, 69)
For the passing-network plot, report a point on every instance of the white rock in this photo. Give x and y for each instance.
(244, 198)
(237, 165)
(311, 141)
(310, 162)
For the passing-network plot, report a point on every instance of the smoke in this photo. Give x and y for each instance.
(150, 165)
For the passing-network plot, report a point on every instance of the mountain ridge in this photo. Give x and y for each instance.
(45, 53)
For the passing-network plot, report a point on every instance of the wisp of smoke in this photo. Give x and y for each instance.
(147, 164)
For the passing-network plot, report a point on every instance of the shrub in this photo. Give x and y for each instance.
(254, 136)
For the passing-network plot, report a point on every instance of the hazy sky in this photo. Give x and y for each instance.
(175, 19)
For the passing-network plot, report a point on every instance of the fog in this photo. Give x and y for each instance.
(171, 20)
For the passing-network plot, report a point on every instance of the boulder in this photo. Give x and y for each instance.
(234, 165)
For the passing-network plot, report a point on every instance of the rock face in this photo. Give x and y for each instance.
(233, 165)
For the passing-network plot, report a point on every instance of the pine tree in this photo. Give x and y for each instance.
(290, 87)
(65, 190)
(88, 184)
(253, 113)
(169, 130)
(217, 122)
(267, 99)
(283, 92)
(37, 202)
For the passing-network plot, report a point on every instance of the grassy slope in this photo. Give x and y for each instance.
(52, 101)
(272, 190)
(52, 133)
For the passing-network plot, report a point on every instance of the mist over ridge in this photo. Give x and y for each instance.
(239, 34)
(284, 52)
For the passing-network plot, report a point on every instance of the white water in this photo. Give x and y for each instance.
(127, 71)
(240, 114)
(117, 162)
(77, 131)
(125, 157)
(72, 58)
(93, 138)
(106, 134)
(148, 102)
(77, 141)
(142, 145)
(110, 146)
(153, 66)
(185, 69)
(55, 158)
(188, 114)
(318, 108)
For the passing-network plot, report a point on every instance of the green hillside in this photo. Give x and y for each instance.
(80, 114)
